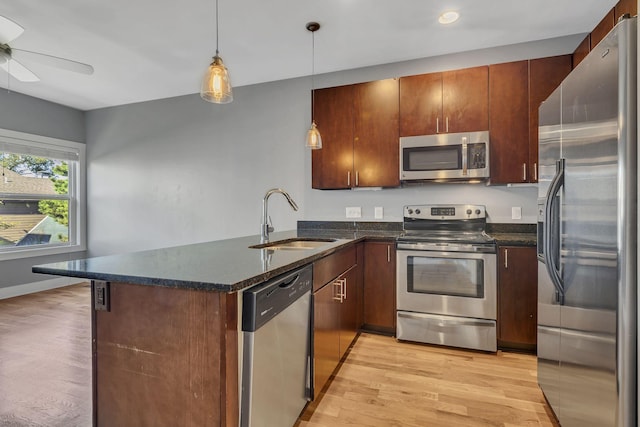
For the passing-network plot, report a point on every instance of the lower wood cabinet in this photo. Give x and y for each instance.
(379, 294)
(517, 297)
(336, 306)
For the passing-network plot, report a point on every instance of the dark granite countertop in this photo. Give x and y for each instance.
(513, 234)
(230, 265)
(225, 265)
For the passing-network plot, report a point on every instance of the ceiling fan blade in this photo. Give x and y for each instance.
(9, 30)
(52, 61)
(19, 71)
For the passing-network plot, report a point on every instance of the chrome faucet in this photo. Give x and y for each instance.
(265, 228)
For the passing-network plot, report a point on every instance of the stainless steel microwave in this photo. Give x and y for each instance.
(446, 156)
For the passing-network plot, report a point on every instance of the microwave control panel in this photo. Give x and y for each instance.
(477, 155)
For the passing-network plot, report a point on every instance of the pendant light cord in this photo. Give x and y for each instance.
(313, 72)
(217, 26)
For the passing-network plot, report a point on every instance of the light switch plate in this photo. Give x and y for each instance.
(516, 212)
(378, 212)
(354, 212)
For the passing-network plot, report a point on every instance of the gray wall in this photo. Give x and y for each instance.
(180, 170)
(31, 115)
(24, 113)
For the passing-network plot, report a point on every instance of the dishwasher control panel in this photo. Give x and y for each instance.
(264, 301)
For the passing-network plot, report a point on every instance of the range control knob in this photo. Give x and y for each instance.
(410, 211)
(468, 211)
(417, 211)
(477, 211)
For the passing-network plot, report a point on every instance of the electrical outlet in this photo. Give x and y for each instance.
(516, 212)
(354, 212)
(378, 212)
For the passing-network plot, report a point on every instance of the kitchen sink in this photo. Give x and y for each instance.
(294, 244)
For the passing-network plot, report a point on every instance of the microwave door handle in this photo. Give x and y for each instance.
(465, 159)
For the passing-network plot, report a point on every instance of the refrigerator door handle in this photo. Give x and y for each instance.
(550, 226)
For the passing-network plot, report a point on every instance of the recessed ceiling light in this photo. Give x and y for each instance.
(448, 17)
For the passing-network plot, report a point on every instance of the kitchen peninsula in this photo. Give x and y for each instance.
(165, 331)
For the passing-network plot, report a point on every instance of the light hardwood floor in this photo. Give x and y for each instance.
(45, 376)
(384, 382)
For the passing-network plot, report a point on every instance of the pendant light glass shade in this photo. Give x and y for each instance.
(314, 140)
(216, 86)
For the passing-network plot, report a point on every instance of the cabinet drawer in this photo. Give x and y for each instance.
(330, 267)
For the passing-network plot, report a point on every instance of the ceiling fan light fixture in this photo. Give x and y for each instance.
(448, 17)
(216, 84)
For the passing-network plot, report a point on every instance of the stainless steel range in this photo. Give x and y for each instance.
(446, 277)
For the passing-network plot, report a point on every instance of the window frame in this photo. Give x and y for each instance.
(76, 196)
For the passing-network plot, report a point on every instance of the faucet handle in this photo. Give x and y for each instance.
(269, 225)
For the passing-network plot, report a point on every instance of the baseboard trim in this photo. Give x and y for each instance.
(44, 285)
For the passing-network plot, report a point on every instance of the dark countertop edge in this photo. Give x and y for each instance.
(209, 286)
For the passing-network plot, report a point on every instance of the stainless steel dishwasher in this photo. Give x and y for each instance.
(276, 367)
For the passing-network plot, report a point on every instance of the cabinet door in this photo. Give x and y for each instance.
(602, 29)
(421, 104)
(348, 310)
(545, 75)
(380, 287)
(581, 51)
(465, 100)
(517, 296)
(332, 166)
(509, 129)
(375, 143)
(625, 6)
(326, 335)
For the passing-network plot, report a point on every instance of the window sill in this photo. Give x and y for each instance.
(39, 252)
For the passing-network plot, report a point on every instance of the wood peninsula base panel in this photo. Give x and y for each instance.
(165, 357)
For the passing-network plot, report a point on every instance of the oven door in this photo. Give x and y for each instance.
(447, 283)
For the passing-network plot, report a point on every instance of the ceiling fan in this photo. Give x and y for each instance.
(9, 31)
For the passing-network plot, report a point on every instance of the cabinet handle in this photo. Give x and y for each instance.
(356, 178)
(337, 296)
(524, 171)
(437, 124)
(344, 287)
(535, 171)
(447, 125)
(388, 253)
(348, 178)
(506, 258)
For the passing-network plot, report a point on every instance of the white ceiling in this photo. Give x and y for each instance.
(150, 49)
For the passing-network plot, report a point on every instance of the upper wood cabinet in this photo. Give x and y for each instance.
(447, 102)
(625, 6)
(376, 147)
(509, 125)
(602, 29)
(516, 91)
(359, 128)
(333, 113)
(545, 75)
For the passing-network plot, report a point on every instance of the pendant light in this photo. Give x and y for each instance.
(314, 140)
(216, 85)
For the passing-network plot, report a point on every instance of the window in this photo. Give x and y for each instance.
(41, 195)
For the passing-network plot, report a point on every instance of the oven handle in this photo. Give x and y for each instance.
(444, 249)
(443, 323)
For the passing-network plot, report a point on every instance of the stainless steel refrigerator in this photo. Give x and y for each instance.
(587, 301)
